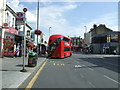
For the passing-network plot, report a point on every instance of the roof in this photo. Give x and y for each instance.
(55, 37)
(10, 9)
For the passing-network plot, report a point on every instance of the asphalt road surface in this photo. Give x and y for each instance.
(79, 71)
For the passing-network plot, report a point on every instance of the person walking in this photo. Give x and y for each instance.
(115, 52)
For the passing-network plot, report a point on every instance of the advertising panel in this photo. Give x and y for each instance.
(9, 45)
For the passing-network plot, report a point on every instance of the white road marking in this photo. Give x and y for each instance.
(83, 65)
(88, 68)
(91, 69)
(81, 75)
(78, 66)
(91, 84)
(111, 79)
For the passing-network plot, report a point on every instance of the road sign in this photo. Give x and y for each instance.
(20, 15)
(20, 18)
(19, 21)
(25, 9)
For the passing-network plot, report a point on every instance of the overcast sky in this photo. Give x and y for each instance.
(68, 18)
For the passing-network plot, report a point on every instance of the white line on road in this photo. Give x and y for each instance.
(91, 69)
(78, 66)
(81, 75)
(91, 84)
(111, 79)
(88, 67)
(83, 65)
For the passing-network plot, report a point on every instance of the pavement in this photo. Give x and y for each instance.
(10, 75)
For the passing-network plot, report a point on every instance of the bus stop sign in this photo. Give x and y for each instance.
(20, 17)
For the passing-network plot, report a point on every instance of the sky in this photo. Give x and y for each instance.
(68, 17)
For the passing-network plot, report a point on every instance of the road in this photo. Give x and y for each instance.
(79, 71)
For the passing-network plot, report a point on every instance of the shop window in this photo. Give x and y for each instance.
(28, 33)
(114, 38)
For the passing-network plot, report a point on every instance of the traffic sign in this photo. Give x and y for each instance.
(25, 9)
(20, 15)
(20, 21)
(20, 18)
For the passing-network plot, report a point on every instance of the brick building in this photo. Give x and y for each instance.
(76, 44)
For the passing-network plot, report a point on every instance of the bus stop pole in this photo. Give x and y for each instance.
(24, 45)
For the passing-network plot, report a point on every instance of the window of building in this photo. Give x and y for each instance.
(28, 32)
(8, 18)
(108, 38)
(13, 22)
(74, 40)
(114, 38)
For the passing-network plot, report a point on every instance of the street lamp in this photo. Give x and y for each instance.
(37, 32)
(49, 31)
(85, 29)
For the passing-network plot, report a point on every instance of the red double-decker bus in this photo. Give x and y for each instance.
(59, 46)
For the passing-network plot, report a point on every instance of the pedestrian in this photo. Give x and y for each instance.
(115, 51)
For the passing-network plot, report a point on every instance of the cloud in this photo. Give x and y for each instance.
(53, 16)
(17, 7)
(109, 19)
(69, 0)
(31, 17)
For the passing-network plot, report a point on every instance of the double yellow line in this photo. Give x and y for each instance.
(29, 86)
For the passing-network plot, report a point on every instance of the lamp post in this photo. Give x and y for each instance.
(49, 31)
(37, 24)
(85, 29)
(24, 43)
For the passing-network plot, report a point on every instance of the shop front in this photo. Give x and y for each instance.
(9, 42)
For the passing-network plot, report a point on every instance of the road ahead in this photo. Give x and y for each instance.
(79, 71)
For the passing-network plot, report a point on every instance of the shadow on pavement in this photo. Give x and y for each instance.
(111, 63)
(9, 70)
(21, 65)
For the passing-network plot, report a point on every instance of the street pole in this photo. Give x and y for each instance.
(49, 31)
(24, 44)
(85, 29)
(37, 24)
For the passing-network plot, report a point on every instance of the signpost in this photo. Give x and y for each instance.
(24, 43)
(20, 18)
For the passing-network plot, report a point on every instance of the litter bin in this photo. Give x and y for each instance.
(32, 61)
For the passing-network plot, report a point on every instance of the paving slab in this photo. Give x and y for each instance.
(10, 74)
